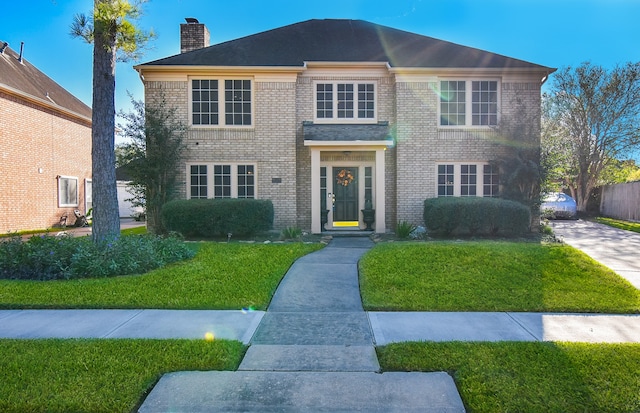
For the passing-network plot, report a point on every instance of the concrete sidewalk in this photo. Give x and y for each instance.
(386, 327)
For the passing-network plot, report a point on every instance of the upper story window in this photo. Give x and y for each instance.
(468, 103)
(207, 94)
(345, 102)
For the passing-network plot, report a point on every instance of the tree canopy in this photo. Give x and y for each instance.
(591, 120)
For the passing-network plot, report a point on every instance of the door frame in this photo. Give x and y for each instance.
(378, 178)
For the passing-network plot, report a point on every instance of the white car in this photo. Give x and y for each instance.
(558, 205)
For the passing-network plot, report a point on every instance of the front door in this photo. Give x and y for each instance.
(345, 190)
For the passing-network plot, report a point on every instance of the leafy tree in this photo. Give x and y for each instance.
(618, 172)
(591, 121)
(153, 156)
(114, 37)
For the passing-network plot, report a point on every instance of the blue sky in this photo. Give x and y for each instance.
(555, 33)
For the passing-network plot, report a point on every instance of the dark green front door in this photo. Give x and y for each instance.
(345, 190)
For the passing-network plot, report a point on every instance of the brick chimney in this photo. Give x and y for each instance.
(193, 35)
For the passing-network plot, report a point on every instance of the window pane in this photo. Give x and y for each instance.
(198, 187)
(468, 180)
(452, 103)
(237, 102)
(445, 180)
(484, 102)
(204, 102)
(67, 191)
(365, 101)
(345, 100)
(324, 100)
(491, 183)
(222, 181)
(246, 181)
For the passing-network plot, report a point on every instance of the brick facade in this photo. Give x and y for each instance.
(276, 143)
(403, 165)
(37, 145)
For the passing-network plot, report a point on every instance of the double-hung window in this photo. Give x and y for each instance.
(468, 103)
(222, 181)
(467, 179)
(221, 102)
(67, 191)
(345, 102)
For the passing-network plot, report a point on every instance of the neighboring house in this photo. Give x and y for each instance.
(336, 114)
(125, 206)
(45, 148)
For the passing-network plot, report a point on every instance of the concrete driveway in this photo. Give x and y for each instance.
(615, 248)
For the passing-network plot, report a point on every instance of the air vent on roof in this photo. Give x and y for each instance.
(21, 49)
(4, 46)
(191, 20)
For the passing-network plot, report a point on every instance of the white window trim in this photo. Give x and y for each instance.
(355, 119)
(221, 102)
(457, 178)
(468, 105)
(88, 195)
(63, 205)
(211, 181)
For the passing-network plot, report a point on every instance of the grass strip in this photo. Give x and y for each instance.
(490, 276)
(529, 377)
(99, 375)
(620, 224)
(220, 276)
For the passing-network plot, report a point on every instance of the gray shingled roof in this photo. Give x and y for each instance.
(27, 79)
(343, 41)
(346, 132)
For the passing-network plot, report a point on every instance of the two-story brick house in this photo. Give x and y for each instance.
(333, 115)
(45, 148)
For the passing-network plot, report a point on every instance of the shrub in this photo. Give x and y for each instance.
(291, 233)
(404, 229)
(218, 217)
(45, 258)
(475, 215)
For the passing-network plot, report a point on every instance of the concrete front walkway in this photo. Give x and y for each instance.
(312, 352)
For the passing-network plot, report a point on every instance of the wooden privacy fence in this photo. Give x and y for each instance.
(621, 201)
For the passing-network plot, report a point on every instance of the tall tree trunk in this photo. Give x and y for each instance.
(106, 220)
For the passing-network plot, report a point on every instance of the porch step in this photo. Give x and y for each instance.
(257, 391)
(268, 357)
(347, 233)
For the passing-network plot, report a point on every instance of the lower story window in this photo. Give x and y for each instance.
(67, 191)
(198, 187)
(445, 180)
(466, 180)
(491, 183)
(222, 181)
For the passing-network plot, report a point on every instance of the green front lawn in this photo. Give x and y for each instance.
(529, 377)
(99, 375)
(490, 276)
(220, 276)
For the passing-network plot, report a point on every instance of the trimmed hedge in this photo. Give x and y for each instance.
(218, 217)
(475, 215)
